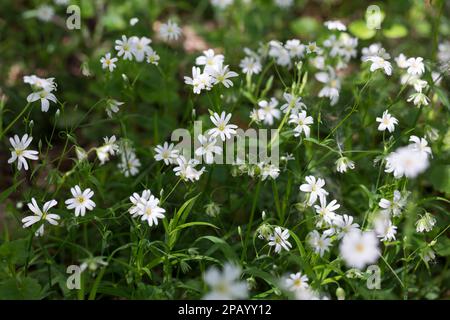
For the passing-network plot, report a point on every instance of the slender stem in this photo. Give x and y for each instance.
(14, 121)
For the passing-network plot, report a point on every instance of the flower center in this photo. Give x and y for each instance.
(80, 199)
(359, 247)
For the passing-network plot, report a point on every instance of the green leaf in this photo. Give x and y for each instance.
(222, 245)
(396, 31)
(20, 289)
(191, 224)
(306, 27)
(15, 252)
(440, 178)
(359, 29)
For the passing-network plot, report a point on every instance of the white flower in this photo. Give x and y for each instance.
(221, 75)
(296, 282)
(268, 111)
(81, 201)
(415, 66)
(279, 53)
(140, 47)
(313, 48)
(108, 62)
(225, 285)
(342, 225)
(373, 50)
(384, 228)
(387, 122)
(250, 65)
(318, 62)
(284, 4)
(208, 148)
(301, 122)
(39, 215)
(419, 99)
(395, 206)
(112, 106)
(380, 63)
(332, 85)
(138, 199)
(295, 48)
(45, 13)
(401, 61)
(166, 153)
(210, 60)
(39, 84)
(222, 4)
(169, 31)
(293, 103)
(222, 129)
(319, 243)
(109, 148)
(199, 81)
(359, 249)
(425, 223)
(45, 96)
(152, 57)
(344, 163)
(62, 2)
(406, 161)
(335, 25)
(129, 163)
(279, 240)
(420, 144)
(20, 152)
(134, 21)
(125, 48)
(418, 84)
(149, 210)
(326, 211)
(93, 263)
(269, 170)
(314, 188)
(186, 169)
(444, 52)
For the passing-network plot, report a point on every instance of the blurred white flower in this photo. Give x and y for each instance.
(225, 285)
(359, 249)
(169, 31)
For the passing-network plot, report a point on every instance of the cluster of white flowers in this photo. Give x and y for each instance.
(383, 224)
(42, 90)
(378, 57)
(208, 148)
(415, 68)
(81, 202)
(411, 160)
(131, 48)
(214, 72)
(146, 207)
(357, 248)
